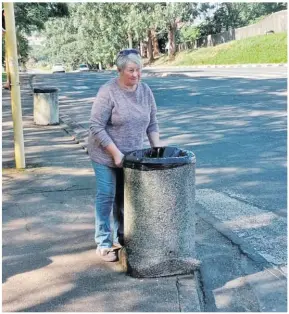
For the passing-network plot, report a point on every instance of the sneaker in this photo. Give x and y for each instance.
(108, 255)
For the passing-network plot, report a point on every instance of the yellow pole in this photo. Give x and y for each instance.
(7, 84)
(15, 84)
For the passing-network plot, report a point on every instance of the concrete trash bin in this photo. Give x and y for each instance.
(45, 109)
(159, 212)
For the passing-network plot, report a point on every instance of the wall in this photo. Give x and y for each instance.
(276, 22)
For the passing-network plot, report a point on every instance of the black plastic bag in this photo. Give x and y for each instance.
(158, 158)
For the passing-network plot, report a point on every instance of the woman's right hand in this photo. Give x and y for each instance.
(118, 159)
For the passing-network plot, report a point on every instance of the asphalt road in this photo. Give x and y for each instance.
(233, 119)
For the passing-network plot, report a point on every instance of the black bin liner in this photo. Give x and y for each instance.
(47, 90)
(158, 158)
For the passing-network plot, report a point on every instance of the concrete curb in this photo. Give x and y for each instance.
(249, 65)
(217, 225)
(257, 243)
(177, 71)
(189, 293)
(78, 133)
(259, 271)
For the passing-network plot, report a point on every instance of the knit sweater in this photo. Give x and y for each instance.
(121, 117)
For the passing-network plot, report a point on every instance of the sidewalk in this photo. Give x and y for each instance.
(49, 260)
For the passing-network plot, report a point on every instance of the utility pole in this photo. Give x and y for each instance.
(7, 84)
(11, 45)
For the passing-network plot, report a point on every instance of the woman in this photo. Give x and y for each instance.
(122, 115)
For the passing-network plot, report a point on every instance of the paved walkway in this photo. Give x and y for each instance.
(49, 261)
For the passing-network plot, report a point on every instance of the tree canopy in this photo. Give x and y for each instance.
(237, 14)
(29, 17)
(93, 32)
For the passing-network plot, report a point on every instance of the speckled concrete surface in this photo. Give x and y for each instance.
(159, 223)
(261, 234)
(46, 110)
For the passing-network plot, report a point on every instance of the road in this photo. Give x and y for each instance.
(233, 119)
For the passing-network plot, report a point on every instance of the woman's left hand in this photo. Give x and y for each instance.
(118, 160)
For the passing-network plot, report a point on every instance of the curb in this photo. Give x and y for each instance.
(226, 232)
(269, 298)
(254, 252)
(78, 133)
(179, 71)
(249, 65)
(190, 295)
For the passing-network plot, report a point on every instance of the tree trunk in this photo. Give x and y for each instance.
(150, 46)
(143, 49)
(129, 36)
(172, 40)
(156, 48)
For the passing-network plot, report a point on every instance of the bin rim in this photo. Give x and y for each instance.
(158, 163)
(45, 90)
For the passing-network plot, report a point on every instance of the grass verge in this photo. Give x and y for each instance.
(259, 49)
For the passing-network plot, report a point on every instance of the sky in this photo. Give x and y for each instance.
(201, 18)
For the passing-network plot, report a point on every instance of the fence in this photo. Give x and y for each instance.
(276, 22)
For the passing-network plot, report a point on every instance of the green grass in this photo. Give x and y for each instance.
(259, 49)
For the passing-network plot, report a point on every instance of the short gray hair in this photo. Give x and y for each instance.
(122, 60)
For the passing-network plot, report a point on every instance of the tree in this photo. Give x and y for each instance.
(95, 32)
(189, 34)
(30, 16)
(172, 14)
(102, 30)
(145, 29)
(235, 14)
(254, 11)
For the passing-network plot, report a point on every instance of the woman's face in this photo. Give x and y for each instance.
(130, 75)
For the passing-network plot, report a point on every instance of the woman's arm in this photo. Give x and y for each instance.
(154, 138)
(153, 127)
(116, 154)
(100, 115)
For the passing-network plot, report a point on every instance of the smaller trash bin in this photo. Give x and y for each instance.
(46, 111)
(159, 212)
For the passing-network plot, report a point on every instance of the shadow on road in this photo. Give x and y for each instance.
(235, 126)
(237, 129)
